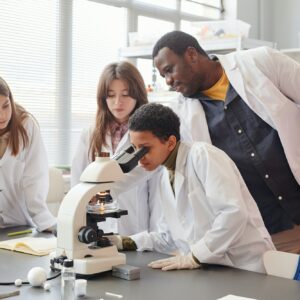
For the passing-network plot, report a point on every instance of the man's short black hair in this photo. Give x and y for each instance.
(178, 42)
(156, 118)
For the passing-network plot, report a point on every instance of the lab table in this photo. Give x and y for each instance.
(210, 283)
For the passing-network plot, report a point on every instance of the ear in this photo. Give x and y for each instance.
(172, 141)
(191, 54)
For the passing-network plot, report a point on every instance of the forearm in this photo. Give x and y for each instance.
(154, 241)
(129, 181)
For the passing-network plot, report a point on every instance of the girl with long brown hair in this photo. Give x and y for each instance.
(121, 90)
(24, 168)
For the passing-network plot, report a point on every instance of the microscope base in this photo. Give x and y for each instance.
(103, 260)
(94, 265)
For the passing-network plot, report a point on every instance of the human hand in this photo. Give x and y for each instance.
(177, 262)
(52, 229)
(115, 240)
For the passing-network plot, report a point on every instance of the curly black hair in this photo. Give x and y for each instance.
(156, 118)
(178, 42)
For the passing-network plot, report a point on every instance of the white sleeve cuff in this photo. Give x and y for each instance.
(204, 255)
(44, 220)
(143, 241)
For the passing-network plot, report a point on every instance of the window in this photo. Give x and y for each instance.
(53, 51)
(210, 8)
(53, 67)
(165, 3)
(146, 25)
(94, 46)
(28, 60)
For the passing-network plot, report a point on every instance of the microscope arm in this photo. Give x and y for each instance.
(72, 217)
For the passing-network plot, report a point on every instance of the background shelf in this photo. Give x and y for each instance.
(211, 46)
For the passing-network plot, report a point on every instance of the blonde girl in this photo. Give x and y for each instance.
(24, 169)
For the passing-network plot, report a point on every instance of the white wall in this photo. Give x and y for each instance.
(271, 20)
(230, 9)
(249, 11)
(286, 23)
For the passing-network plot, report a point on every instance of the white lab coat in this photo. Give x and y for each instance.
(143, 211)
(24, 181)
(212, 213)
(268, 81)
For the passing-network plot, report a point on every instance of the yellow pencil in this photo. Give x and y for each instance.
(20, 232)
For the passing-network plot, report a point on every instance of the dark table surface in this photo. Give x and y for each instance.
(210, 283)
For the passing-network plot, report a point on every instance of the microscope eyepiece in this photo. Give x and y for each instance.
(128, 159)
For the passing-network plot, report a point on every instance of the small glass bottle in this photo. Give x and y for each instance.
(68, 280)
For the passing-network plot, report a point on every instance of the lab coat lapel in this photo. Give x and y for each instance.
(121, 145)
(123, 141)
(233, 73)
(247, 84)
(4, 157)
(193, 125)
(108, 146)
(169, 206)
(179, 183)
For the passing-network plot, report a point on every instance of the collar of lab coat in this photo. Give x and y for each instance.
(245, 80)
(181, 161)
(229, 63)
(123, 141)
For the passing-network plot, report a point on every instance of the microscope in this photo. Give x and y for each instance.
(78, 236)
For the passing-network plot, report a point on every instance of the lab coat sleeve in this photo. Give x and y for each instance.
(282, 70)
(160, 240)
(193, 125)
(81, 157)
(35, 181)
(130, 181)
(222, 185)
(158, 237)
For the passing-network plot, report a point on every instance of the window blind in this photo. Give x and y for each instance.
(52, 54)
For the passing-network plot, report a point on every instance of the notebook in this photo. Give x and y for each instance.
(31, 245)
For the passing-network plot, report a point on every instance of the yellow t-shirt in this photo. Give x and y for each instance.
(219, 89)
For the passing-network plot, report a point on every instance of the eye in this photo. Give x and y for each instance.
(169, 70)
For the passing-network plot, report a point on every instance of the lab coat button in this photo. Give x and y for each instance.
(279, 197)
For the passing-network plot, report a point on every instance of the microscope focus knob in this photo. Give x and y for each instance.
(87, 235)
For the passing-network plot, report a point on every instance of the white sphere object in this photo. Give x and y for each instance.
(47, 286)
(37, 276)
(18, 282)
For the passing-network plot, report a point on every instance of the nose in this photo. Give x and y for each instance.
(118, 99)
(169, 80)
(142, 159)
